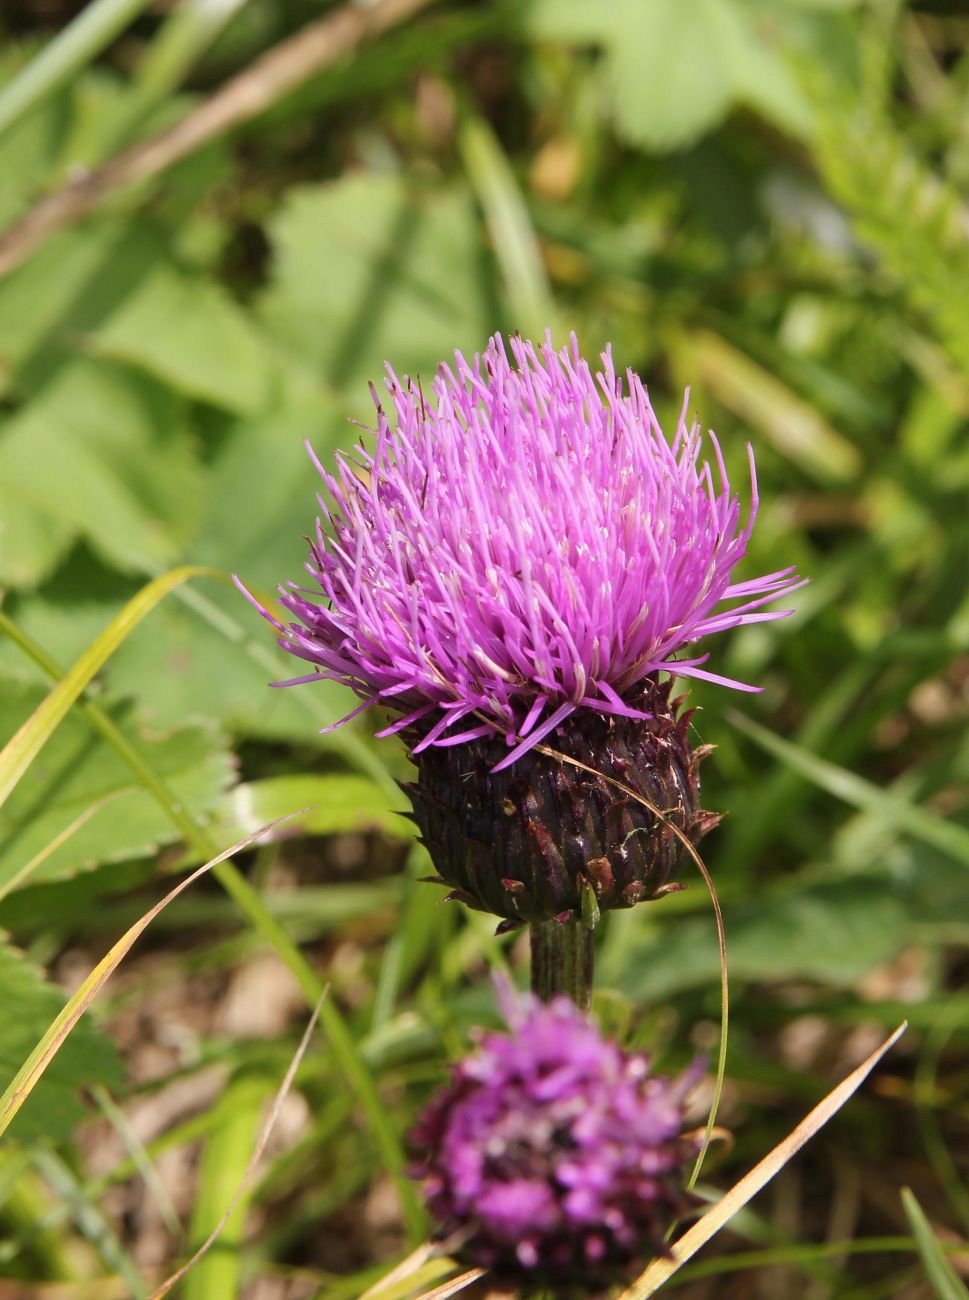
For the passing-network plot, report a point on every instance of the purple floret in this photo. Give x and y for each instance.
(522, 542)
(552, 1152)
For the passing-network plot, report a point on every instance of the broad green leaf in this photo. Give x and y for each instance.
(82, 459)
(185, 667)
(946, 1283)
(187, 332)
(79, 805)
(263, 489)
(833, 933)
(335, 804)
(676, 69)
(65, 290)
(371, 268)
(88, 1057)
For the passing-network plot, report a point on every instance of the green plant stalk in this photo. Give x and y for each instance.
(562, 961)
(224, 1164)
(186, 35)
(263, 922)
(77, 45)
(510, 225)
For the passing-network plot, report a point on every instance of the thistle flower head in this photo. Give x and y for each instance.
(523, 543)
(552, 1154)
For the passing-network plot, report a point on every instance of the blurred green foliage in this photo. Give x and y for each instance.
(763, 199)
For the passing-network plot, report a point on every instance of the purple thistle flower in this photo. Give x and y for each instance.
(523, 544)
(552, 1154)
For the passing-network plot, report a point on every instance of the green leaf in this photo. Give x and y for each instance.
(945, 1281)
(263, 485)
(81, 792)
(88, 1057)
(336, 804)
(676, 69)
(65, 290)
(833, 933)
(188, 333)
(370, 268)
(185, 666)
(82, 459)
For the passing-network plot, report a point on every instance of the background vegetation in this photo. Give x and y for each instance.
(762, 198)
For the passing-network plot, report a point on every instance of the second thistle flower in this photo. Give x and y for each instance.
(510, 570)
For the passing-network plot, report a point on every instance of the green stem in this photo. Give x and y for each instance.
(562, 961)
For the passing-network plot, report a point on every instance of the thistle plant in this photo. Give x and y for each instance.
(512, 570)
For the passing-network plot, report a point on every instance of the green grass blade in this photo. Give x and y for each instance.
(516, 247)
(20, 751)
(186, 35)
(859, 793)
(944, 1279)
(224, 1165)
(92, 30)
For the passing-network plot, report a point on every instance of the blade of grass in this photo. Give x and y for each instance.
(454, 1286)
(139, 1158)
(859, 793)
(62, 58)
(185, 36)
(510, 226)
(345, 1050)
(706, 1227)
(943, 1277)
(37, 1062)
(796, 1253)
(89, 1220)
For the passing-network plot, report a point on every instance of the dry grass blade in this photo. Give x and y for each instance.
(709, 1225)
(274, 75)
(267, 1128)
(48, 1047)
(414, 1262)
(721, 940)
(454, 1286)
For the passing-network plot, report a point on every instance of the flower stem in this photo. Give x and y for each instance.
(562, 961)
